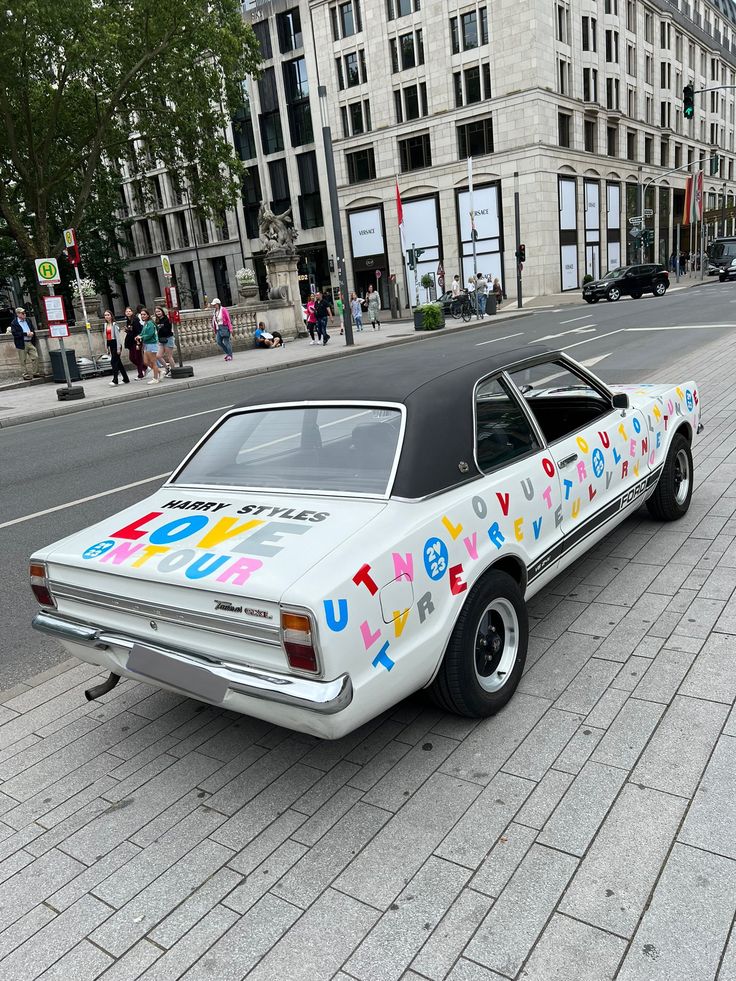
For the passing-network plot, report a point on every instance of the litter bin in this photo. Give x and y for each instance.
(491, 305)
(57, 366)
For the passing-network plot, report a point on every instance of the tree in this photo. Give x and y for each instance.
(80, 79)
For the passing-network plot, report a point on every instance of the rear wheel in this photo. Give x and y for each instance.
(613, 294)
(485, 657)
(659, 289)
(467, 311)
(636, 295)
(671, 499)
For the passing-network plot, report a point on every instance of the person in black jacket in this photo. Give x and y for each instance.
(132, 328)
(24, 337)
(322, 310)
(165, 339)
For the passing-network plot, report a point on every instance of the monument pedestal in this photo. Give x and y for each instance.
(283, 278)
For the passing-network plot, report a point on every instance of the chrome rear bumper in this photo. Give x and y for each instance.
(325, 697)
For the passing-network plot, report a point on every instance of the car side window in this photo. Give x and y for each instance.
(503, 432)
(561, 400)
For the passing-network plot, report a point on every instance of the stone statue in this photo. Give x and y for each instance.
(277, 231)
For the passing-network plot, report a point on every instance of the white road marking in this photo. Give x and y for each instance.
(84, 500)
(681, 327)
(584, 328)
(591, 362)
(598, 337)
(164, 422)
(506, 338)
(563, 322)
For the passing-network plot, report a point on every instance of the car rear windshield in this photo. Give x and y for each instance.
(338, 449)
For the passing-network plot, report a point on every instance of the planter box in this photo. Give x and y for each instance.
(419, 321)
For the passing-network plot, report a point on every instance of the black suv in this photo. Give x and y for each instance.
(628, 281)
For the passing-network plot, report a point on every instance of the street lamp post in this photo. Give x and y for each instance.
(185, 190)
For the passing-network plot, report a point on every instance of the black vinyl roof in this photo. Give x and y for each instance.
(436, 386)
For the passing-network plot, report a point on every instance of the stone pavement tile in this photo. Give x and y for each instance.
(95, 792)
(158, 729)
(576, 820)
(629, 584)
(631, 673)
(536, 647)
(187, 951)
(466, 970)
(421, 726)
(315, 947)
(681, 601)
(263, 878)
(629, 733)
(133, 766)
(85, 962)
(544, 799)
(30, 722)
(34, 884)
(171, 816)
(649, 646)
(664, 676)
(665, 625)
(319, 866)
(233, 738)
(91, 877)
(711, 820)
(685, 928)
(730, 727)
(151, 862)
(227, 773)
(370, 773)
(543, 744)
(728, 964)
(450, 936)
(626, 636)
(397, 937)
(556, 668)
(76, 675)
(382, 869)
(560, 619)
(134, 920)
(491, 743)
(578, 751)
(504, 939)
(158, 703)
(58, 835)
(324, 755)
(599, 571)
(611, 888)
(456, 728)
(504, 859)
(133, 964)
(123, 819)
(664, 545)
(572, 951)
(584, 690)
(713, 674)
(28, 925)
(402, 780)
(598, 619)
(54, 940)
(14, 863)
(328, 815)
(727, 621)
(248, 783)
(680, 642)
(173, 927)
(148, 771)
(326, 787)
(258, 813)
(373, 742)
(710, 526)
(700, 617)
(258, 850)
(632, 545)
(678, 751)
(691, 552)
(478, 829)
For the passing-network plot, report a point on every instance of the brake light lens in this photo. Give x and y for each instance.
(297, 638)
(40, 584)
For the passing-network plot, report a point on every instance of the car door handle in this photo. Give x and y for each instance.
(567, 461)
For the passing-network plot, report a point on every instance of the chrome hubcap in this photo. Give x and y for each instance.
(682, 477)
(496, 645)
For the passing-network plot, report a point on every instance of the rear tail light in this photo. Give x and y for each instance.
(40, 584)
(665, 273)
(297, 636)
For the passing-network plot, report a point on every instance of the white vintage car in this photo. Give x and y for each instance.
(320, 555)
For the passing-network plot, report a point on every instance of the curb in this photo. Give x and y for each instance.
(345, 352)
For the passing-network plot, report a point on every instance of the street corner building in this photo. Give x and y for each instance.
(574, 105)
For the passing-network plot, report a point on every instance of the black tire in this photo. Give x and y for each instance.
(70, 394)
(722, 279)
(659, 289)
(671, 499)
(589, 299)
(636, 296)
(482, 638)
(613, 294)
(467, 312)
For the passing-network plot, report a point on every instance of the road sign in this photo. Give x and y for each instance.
(47, 272)
(59, 330)
(55, 312)
(636, 220)
(70, 239)
(378, 273)
(648, 213)
(166, 265)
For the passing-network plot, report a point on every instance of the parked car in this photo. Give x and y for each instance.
(631, 281)
(317, 558)
(722, 258)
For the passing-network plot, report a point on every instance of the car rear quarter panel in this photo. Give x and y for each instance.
(667, 409)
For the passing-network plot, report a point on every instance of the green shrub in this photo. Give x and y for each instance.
(432, 317)
(587, 278)
(427, 281)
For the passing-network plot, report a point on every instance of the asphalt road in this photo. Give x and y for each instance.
(103, 451)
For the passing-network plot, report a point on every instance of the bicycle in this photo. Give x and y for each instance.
(461, 308)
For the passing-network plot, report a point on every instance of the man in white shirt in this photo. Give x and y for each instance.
(455, 287)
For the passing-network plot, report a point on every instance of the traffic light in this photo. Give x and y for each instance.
(413, 256)
(715, 165)
(521, 254)
(688, 102)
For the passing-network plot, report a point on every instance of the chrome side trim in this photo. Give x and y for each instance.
(257, 632)
(324, 697)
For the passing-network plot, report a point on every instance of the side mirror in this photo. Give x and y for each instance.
(621, 401)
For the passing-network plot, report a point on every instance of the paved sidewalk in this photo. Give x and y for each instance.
(30, 402)
(587, 832)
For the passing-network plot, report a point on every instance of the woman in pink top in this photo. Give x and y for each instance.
(311, 317)
(222, 328)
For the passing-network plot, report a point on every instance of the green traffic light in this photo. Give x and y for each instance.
(689, 112)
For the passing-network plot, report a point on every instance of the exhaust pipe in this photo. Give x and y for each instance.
(97, 691)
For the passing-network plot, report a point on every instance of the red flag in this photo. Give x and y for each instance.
(399, 209)
(699, 196)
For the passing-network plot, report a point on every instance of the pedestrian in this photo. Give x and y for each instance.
(339, 310)
(24, 337)
(311, 318)
(498, 292)
(165, 339)
(374, 305)
(148, 341)
(114, 347)
(322, 310)
(356, 311)
(264, 338)
(132, 329)
(222, 328)
(481, 286)
(456, 287)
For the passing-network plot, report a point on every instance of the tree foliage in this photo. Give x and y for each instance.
(79, 78)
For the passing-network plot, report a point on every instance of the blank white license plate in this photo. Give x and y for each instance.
(186, 677)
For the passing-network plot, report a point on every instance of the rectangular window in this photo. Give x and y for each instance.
(296, 86)
(310, 204)
(590, 84)
(281, 199)
(613, 94)
(345, 122)
(272, 138)
(475, 139)
(398, 106)
(352, 75)
(243, 136)
(590, 136)
(611, 7)
(648, 28)
(289, 29)
(411, 102)
(263, 36)
(483, 25)
(419, 37)
(415, 153)
(631, 16)
(361, 64)
(630, 59)
(612, 47)
(648, 145)
(361, 165)
(355, 111)
(406, 44)
(612, 141)
(340, 76)
(469, 25)
(630, 145)
(183, 231)
(664, 153)
(423, 98)
(503, 433)
(678, 155)
(563, 129)
(252, 197)
(394, 49)
(454, 36)
(472, 85)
